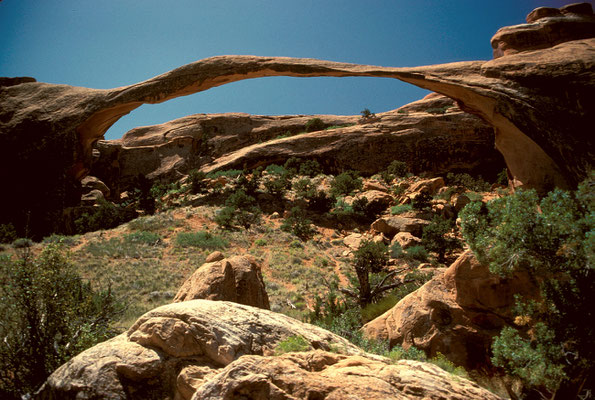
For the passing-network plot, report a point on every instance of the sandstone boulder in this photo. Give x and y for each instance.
(204, 349)
(238, 279)
(323, 375)
(429, 186)
(406, 240)
(457, 313)
(390, 226)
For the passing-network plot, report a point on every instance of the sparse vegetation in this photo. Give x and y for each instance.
(201, 239)
(346, 183)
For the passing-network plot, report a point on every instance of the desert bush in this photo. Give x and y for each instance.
(502, 177)
(468, 182)
(298, 224)
(435, 237)
(228, 173)
(346, 183)
(201, 239)
(551, 239)
(315, 124)
(7, 233)
(365, 210)
(396, 169)
(422, 202)
(196, 179)
(417, 253)
(133, 245)
(65, 240)
(310, 168)
(47, 315)
(400, 209)
(292, 344)
(106, 216)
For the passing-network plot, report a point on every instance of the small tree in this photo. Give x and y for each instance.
(422, 201)
(551, 348)
(346, 183)
(298, 224)
(47, 315)
(315, 124)
(435, 237)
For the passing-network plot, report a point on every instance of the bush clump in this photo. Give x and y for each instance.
(298, 224)
(346, 183)
(201, 239)
(315, 124)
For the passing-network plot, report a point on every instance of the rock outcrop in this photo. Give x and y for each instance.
(204, 349)
(237, 279)
(546, 27)
(456, 313)
(540, 103)
(428, 141)
(323, 375)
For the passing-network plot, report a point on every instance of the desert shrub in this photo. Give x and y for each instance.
(154, 222)
(342, 212)
(298, 224)
(228, 173)
(438, 110)
(421, 202)
(200, 239)
(225, 217)
(321, 202)
(197, 181)
(410, 283)
(366, 113)
(417, 253)
(65, 240)
(395, 250)
(396, 169)
(365, 210)
(400, 209)
(47, 315)
(435, 237)
(315, 124)
(412, 353)
(468, 182)
(304, 188)
(7, 233)
(346, 183)
(106, 216)
(310, 168)
(369, 258)
(133, 245)
(502, 177)
(274, 169)
(552, 239)
(277, 186)
(242, 208)
(292, 344)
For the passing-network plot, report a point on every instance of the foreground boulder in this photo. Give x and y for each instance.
(324, 375)
(204, 349)
(457, 313)
(237, 279)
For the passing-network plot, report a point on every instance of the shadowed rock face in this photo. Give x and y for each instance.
(539, 102)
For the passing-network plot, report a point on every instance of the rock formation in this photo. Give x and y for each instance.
(540, 103)
(204, 349)
(237, 279)
(417, 134)
(457, 313)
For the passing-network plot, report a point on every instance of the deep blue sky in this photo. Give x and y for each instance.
(111, 43)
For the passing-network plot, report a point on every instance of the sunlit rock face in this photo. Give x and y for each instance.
(431, 135)
(203, 349)
(540, 103)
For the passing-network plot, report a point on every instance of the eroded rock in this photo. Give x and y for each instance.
(238, 279)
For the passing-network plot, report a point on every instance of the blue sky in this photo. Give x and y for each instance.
(111, 43)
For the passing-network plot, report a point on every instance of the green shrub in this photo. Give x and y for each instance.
(417, 253)
(367, 211)
(435, 237)
(369, 258)
(298, 224)
(310, 168)
(422, 202)
(149, 238)
(197, 181)
(321, 202)
(395, 250)
(48, 314)
(552, 240)
(65, 240)
(201, 239)
(229, 173)
(133, 245)
(106, 216)
(438, 110)
(468, 182)
(260, 242)
(398, 168)
(274, 169)
(154, 222)
(315, 124)
(412, 353)
(277, 186)
(304, 188)
(502, 177)
(400, 209)
(346, 183)
(225, 217)
(292, 344)
(7, 233)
